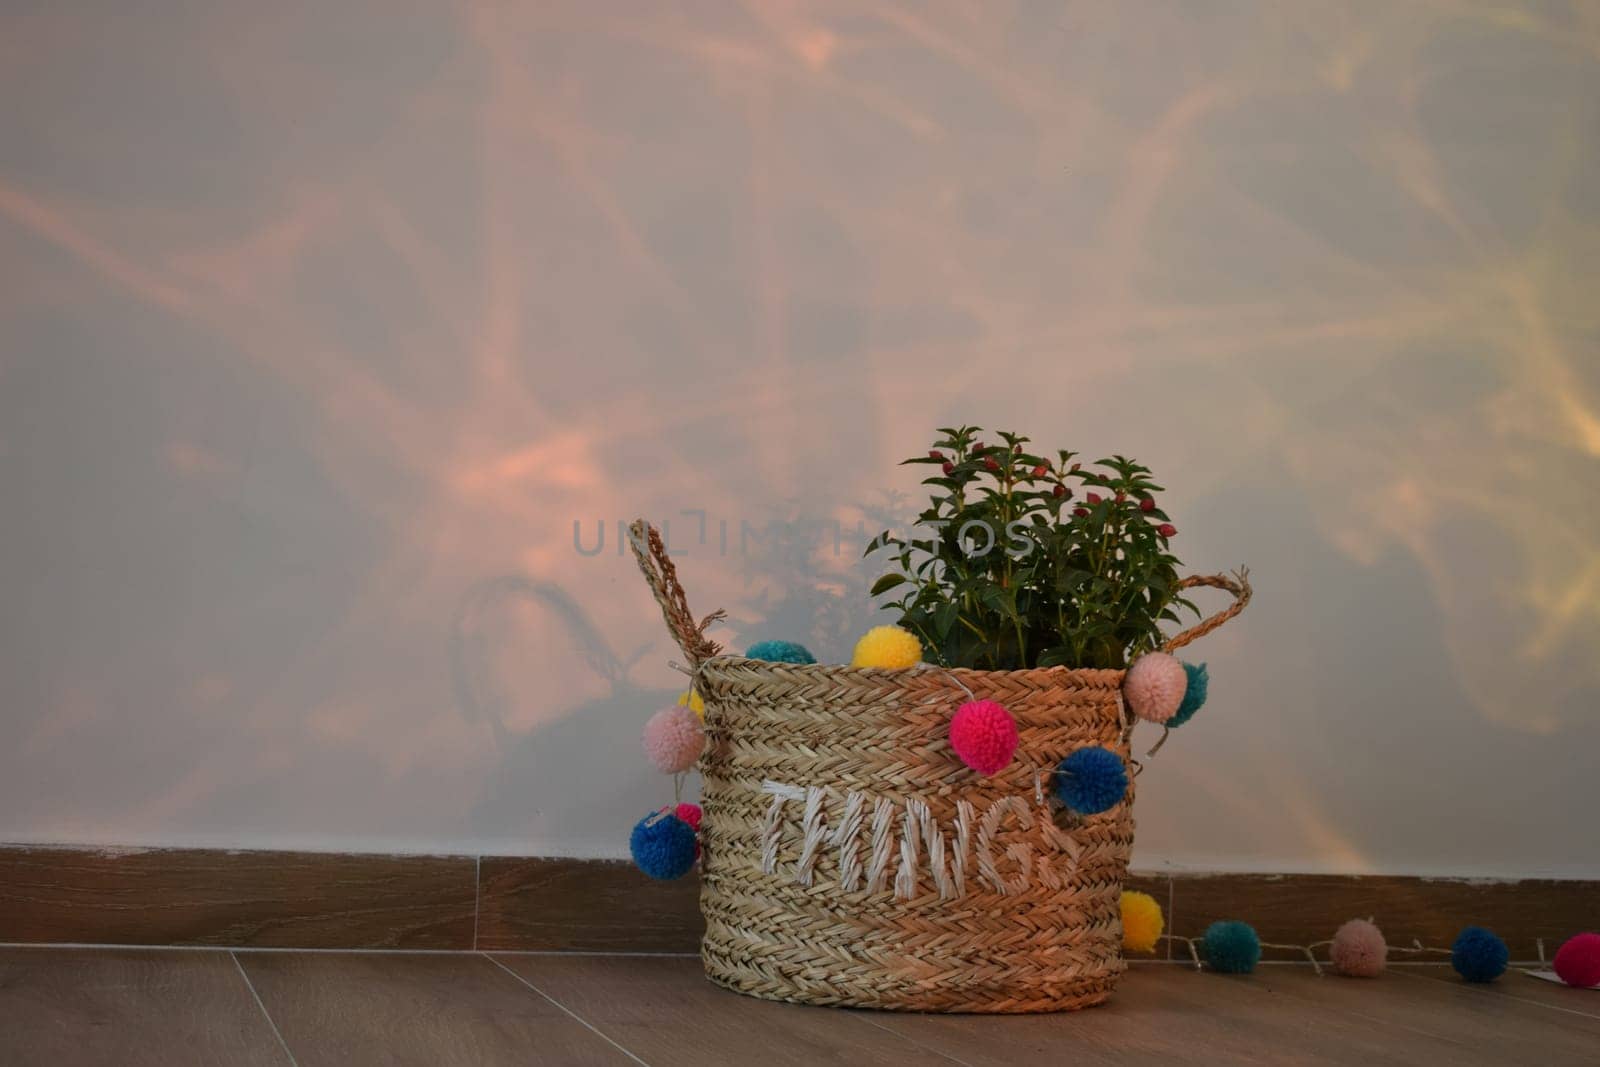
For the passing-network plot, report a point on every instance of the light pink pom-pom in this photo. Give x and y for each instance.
(1358, 949)
(1154, 686)
(673, 738)
(984, 735)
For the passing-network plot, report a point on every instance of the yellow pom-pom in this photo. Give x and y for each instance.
(696, 704)
(887, 646)
(1141, 921)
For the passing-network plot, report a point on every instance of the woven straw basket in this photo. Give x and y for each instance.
(850, 858)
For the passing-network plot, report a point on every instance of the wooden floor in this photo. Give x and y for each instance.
(67, 1006)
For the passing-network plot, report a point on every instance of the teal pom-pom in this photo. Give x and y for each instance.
(780, 652)
(1193, 696)
(1231, 947)
(1091, 780)
(1478, 955)
(662, 846)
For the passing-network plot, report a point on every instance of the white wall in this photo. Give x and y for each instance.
(320, 325)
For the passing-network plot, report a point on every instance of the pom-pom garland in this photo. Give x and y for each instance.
(1154, 686)
(674, 739)
(887, 646)
(1091, 780)
(1142, 921)
(663, 846)
(1358, 949)
(1577, 962)
(1194, 694)
(984, 735)
(1231, 947)
(780, 652)
(1478, 955)
(691, 700)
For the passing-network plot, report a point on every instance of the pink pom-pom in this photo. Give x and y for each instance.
(691, 814)
(673, 738)
(984, 735)
(1577, 962)
(1358, 949)
(1154, 686)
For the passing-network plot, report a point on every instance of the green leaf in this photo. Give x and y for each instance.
(887, 582)
(1002, 600)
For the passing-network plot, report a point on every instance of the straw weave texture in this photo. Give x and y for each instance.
(883, 733)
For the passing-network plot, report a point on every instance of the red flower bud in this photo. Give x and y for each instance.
(978, 446)
(949, 468)
(1060, 490)
(1093, 498)
(991, 464)
(1121, 496)
(1080, 512)
(1017, 447)
(936, 455)
(1147, 504)
(1040, 471)
(1075, 466)
(1166, 529)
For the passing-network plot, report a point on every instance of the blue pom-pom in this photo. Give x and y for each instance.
(780, 652)
(1091, 780)
(662, 846)
(1478, 955)
(1231, 947)
(1193, 696)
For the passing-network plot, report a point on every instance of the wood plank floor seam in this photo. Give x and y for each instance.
(908, 1039)
(1376, 1020)
(601, 1034)
(265, 1014)
(1496, 989)
(477, 897)
(1172, 901)
(671, 1015)
(130, 1009)
(177, 1008)
(1481, 1024)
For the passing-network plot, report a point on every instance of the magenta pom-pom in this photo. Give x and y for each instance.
(1154, 686)
(689, 813)
(984, 735)
(1359, 950)
(673, 738)
(1577, 962)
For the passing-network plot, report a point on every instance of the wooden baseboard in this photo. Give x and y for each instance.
(251, 899)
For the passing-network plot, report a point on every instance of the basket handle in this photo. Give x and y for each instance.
(662, 577)
(1237, 583)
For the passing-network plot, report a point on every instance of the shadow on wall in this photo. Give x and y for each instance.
(559, 758)
(805, 582)
(297, 347)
